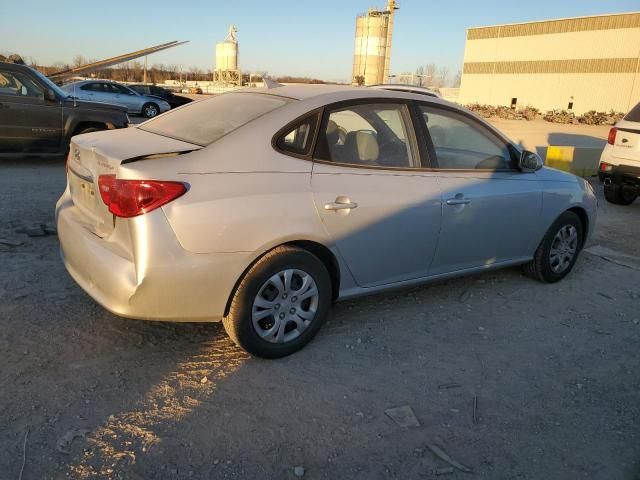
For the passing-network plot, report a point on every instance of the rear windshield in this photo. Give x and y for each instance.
(202, 123)
(634, 114)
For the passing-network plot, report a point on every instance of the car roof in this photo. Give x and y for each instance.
(336, 93)
(406, 88)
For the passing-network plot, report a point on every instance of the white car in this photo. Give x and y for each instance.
(620, 161)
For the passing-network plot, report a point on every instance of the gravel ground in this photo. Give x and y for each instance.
(554, 371)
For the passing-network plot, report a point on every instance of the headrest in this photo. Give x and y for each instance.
(367, 146)
(333, 134)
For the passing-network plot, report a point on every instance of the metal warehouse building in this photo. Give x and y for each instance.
(586, 63)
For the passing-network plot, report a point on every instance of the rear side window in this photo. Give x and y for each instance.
(300, 138)
(634, 114)
(372, 135)
(202, 123)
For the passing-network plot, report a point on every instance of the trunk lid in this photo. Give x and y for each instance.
(102, 153)
(627, 144)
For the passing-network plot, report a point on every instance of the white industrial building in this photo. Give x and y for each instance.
(581, 64)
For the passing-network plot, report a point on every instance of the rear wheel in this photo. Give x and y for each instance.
(150, 110)
(280, 304)
(620, 194)
(557, 253)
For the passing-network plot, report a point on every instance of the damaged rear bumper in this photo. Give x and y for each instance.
(142, 272)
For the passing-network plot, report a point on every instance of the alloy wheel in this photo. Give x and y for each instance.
(563, 248)
(150, 111)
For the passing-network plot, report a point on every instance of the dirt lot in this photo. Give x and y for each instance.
(555, 371)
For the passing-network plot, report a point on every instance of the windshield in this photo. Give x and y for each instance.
(49, 84)
(204, 122)
(634, 114)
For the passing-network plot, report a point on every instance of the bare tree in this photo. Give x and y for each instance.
(441, 77)
(457, 80)
(78, 61)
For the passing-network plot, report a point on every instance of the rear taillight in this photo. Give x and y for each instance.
(612, 136)
(130, 198)
(605, 167)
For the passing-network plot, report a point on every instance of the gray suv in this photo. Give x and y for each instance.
(37, 117)
(115, 93)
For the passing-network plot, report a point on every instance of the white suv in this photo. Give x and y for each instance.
(620, 161)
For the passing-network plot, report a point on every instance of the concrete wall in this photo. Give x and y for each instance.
(593, 62)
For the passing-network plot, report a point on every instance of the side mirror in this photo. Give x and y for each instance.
(529, 161)
(50, 95)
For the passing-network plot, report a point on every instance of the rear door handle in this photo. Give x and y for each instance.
(341, 203)
(459, 199)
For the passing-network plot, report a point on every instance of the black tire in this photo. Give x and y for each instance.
(620, 194)
(540, 267)
(239, 322)
(150, 110)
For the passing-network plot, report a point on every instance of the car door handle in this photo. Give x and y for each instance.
(458, 200)
(341, 203)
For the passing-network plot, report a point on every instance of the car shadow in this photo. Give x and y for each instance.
(579, 141)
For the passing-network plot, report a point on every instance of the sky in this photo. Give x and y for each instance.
(284, 37)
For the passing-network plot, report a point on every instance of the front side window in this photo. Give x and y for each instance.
(369, 135)
(121, 90)
(462, 144)
(204, 122)
(18, 84)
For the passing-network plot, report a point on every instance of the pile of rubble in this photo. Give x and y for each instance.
(590, 118)
(12, 59)
(560, 116)
(500, 111)
(554, 116)
(600, 118)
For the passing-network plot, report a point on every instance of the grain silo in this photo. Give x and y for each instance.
(372, 53)
(227, 70)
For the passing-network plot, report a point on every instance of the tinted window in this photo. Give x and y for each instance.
(299, 138)
(92, 87)
(461, 143)
(369, 134)
(634, 114)
(143, 89)
(205, 122)
(120, 89)
(19, 84)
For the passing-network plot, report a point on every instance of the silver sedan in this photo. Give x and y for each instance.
(110, 92)
(262, 207)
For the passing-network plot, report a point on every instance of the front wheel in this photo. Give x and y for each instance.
(280, 303)
(620, 194)
(150, 110)
(557, 253)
